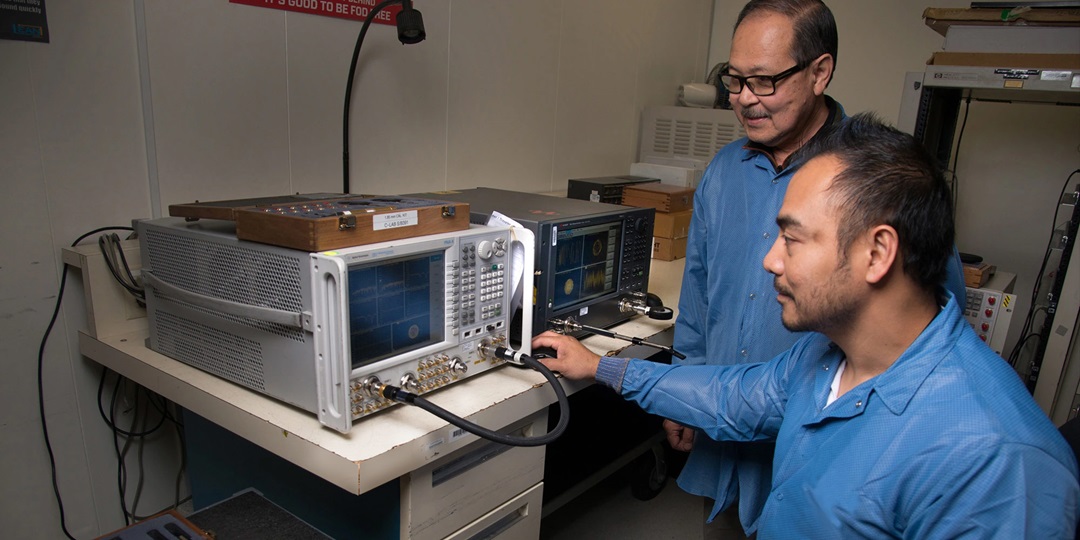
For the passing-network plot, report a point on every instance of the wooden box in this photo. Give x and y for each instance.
(976, 275)
(380, 222)
(226, 209)
(663, 197)
(336, 222)
(672, 224)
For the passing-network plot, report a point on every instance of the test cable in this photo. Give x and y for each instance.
(395, 393)
(569, 325)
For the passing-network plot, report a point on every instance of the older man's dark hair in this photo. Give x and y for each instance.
(815, 27)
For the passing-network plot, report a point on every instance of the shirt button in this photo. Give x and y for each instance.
(858, 404)
(775, 180)
(744, 352)
(779, 496)
(766, 235)
(825, 367)
(753, 296)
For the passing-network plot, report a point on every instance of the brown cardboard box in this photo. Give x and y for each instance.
(672, 224)
(1006, 60)
(663, 197)
(667, 249)
(941, 18)
(976, 275)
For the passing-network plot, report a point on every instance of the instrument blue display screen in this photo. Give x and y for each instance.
(396, 306)
(586, 263)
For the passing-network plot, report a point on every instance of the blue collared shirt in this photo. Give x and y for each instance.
(728, 312)
(946, 443)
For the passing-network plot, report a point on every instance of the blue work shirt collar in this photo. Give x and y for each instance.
(752, 149)
(898, 384)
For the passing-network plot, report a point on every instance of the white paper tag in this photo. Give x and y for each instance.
(1055, 75)
(394, 220)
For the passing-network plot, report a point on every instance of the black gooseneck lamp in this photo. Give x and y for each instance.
(410, 27)
(411, 30)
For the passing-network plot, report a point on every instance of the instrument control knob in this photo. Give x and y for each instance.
(484, 249)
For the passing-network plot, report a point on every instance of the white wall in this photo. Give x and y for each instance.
(238, 101)
(879, 42)
(246, 102)
(1013, 159)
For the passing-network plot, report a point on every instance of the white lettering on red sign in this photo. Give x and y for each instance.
(344, 9)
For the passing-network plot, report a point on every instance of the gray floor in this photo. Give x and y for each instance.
(607, 510)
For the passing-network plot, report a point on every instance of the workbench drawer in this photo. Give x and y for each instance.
(518, 519)
(454, 491)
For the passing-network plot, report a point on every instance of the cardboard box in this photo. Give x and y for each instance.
(941, 18)
(663, 197)
(1006, 60)
(976, 275)
(673, 224)
(667, 249)
(1013, 39)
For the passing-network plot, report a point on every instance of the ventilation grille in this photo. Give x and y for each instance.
(686, 133)
(229, 272)
(224, 354)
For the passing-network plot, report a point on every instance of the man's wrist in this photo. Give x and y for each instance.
(610, 372)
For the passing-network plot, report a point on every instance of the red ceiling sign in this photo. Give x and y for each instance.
(343, 9)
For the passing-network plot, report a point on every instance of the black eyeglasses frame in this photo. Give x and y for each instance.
(773, 79)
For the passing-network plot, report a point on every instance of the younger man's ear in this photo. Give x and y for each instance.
(883, 247)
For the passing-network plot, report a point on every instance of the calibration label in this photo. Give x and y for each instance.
(394, 220)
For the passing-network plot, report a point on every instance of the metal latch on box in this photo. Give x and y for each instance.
(346, 220)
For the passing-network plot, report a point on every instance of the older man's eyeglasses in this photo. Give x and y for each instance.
(759, 85)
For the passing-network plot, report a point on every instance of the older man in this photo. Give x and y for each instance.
(891, 419)
(783, 53)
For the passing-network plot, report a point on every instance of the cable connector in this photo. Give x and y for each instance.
(514, 357)
(394, 393)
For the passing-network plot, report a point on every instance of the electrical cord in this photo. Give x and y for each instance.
(121, 454)
(955, 181)
(1025, 331)
(141, 482)
(397, 394)
(107, 418)
(142, 395)
(41, 379)
(116, 261)
(1026, 335)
